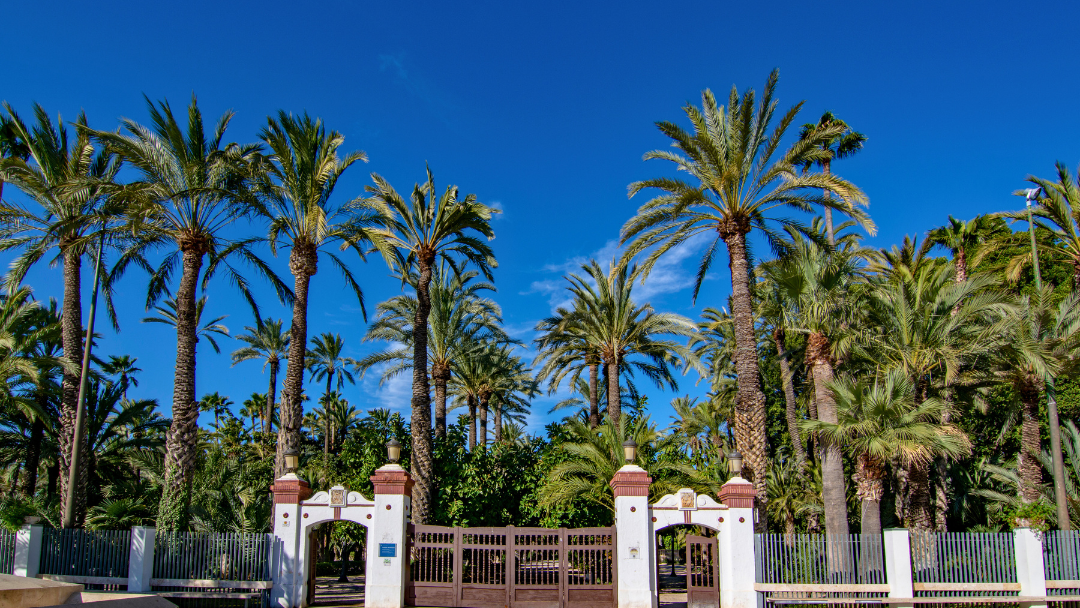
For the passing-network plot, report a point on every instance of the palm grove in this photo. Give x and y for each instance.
(864, 387)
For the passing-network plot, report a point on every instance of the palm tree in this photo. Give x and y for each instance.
(773, 311)
(192, 187)
(969, 241)
(836, 146)
(427, 228)
(328, 362)
(593, 456)
(66, 179)
(623, 333)
(933, 329)
(738, 185)
(459, 319)
(881, 422)
(563, 351)
(124, 367)
(303, 171)
(167, 315)
(216, 404)
(1057, 211)
(823, 284)
(265, 341)
(1037, 338)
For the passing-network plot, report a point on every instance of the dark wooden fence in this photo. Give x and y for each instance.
(505, 567)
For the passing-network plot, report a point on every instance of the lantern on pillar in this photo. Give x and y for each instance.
(629, 448)
(393, 451)
(292, 460)
(735, 463)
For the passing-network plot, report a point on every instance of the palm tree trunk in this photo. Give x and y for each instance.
(750, 435)
(440, 375)
(33, 457)
(826, 167)
(72, 342)
(423, 467)
(268, 421)
(594, 398)
(472, 422)
(1028, 466)
(834, 491)
(919, 514)
(303, 264)
(614, 391)
(497, 413)
(791, 411)
(183, 435)
(870, 487)
(483, 421)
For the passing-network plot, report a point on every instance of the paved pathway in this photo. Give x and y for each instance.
(329, 593)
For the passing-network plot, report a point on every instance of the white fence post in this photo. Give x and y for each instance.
(635, 545)
(28, 550)
(387, 564)
(141, 560)
(897, 543)
(1029, 566)
(736, 546)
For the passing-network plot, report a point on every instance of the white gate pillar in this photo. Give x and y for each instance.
(635, 546)
(897, 544)
(387, 563)
(141, 559)
(28, 550)
(1029, 565)
(288, 491)
(737, 559)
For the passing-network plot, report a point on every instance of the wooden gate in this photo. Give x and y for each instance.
(702, 572)
(504, 567)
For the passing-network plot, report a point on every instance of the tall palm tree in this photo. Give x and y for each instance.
(429, 227)
(627, 337)
(824, 285)
(739, 182)
(1037, 338)
(192, 186)
(124, 368)
(269, 343)
(303, 171)
(839, 145)
(969, 241)
(327, 361)
(563, 351)
(459, 320)
(881, 422)
(167, 315)
(65, 177)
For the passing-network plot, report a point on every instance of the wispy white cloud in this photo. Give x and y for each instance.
(668, 275)
(395, 394)
(497, 206)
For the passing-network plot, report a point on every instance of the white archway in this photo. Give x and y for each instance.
(337, 504)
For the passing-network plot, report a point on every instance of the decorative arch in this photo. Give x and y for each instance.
(687, 507)
(337, 504)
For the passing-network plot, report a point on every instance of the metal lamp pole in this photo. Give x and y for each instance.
(1051, 402)
(77, 440)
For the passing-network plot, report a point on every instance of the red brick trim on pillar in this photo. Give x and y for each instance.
(630, 483)
(290, 491)
(392, 482)
(737, 495)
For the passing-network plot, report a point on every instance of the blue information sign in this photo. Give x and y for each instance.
(387, 550)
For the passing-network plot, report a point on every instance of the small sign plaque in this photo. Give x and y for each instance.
(387, 550)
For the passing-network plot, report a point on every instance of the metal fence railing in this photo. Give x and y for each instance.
(1061, 561)
(7, 551)
(814, 565)
(100, 554)
(211, 563)
(963, 564)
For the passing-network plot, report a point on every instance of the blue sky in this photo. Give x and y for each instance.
(545, 111)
